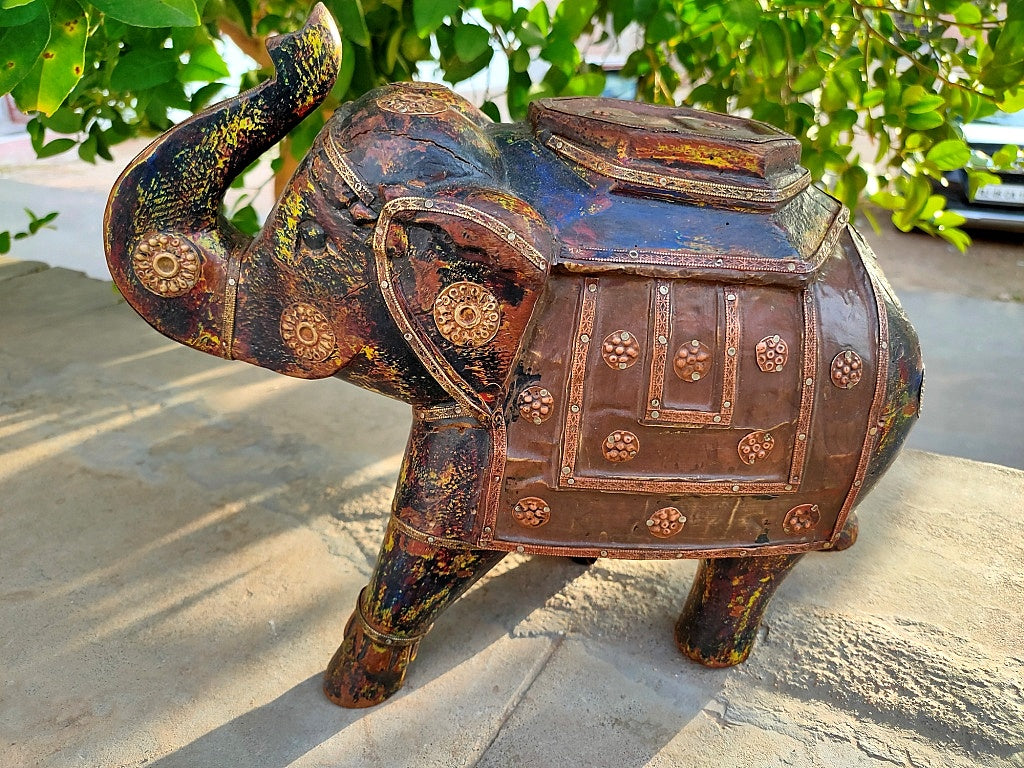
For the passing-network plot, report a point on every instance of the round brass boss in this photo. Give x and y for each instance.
(166, 265)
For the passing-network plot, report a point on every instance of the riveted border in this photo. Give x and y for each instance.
(689, 259)
(343, 168)
(230, 305)
(721, 414)
(459, 210)
(663, 181)
(427, 538)
(577, 374)
(882, 366)
(492, 485)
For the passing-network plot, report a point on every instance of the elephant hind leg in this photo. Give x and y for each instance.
(412, 584)
(726, 603)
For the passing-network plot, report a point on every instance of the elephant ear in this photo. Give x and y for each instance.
(461, 272)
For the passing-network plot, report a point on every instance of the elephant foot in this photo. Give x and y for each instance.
(848, 536)
(413, 582)
(369, 666)
(729, 596)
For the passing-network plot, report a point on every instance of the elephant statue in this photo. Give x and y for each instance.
(625, 331)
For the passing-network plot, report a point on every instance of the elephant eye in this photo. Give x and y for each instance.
(312, 234)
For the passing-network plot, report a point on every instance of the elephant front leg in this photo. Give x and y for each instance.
(413, 582)
(726, 603)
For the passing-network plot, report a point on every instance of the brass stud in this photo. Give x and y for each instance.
(536, 404)
(692, 361)
(755, 446)
(167, 265)
(467, 314)
(620, 446)
(801, 519)
(531, 512)
(620, 350)
(666, 522)
(771, 353)
(847, 369)
(306, 331)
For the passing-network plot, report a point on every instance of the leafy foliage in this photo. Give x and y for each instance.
(875, 89)
(35, 223)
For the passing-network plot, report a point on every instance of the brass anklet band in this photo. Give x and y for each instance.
(426, 538)
(383, 638)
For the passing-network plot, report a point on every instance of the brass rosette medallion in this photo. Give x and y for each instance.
(801, 519)
(166, 265)
(847, 369)
(467, 314)
(772, 353)
(409, 102)
(666, 522)
(755, 446)
(620, 350)
(692, 361)
(536, 404)
(307, 332)
(531, 512)
(621, 446)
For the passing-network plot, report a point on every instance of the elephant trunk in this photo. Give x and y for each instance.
(169, 249)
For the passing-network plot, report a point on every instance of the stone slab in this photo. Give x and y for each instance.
(183, 539)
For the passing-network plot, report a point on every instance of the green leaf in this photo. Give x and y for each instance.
(16, 16)
(1006, 156)
(152, 13)
(740, 17)
(497, 12)
(924, 121)
(246, 220)
(957, 237)
(912, 95)
(774, 41)
(977, 179)
(64, 120)
(205, 65)
(917, 198)
(144, 68)
(562, 53)
(949, 155)
(573, 16)
(471, 41)
(873, 98)
(5, 241)
(352, 20)
(808, 80)
(490, 109)
(1013, 101)
(589, 83)
(927, 103)
(967, 13)
(61, 64)
(949, 219)
(55, 147)
(21, 47)
(427, 15)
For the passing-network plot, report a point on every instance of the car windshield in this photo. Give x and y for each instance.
(1015, 119)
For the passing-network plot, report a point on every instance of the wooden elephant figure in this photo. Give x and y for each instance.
(625, 331)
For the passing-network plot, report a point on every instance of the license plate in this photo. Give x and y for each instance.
(1012, 194)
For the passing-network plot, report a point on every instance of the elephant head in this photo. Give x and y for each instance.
(396, 257)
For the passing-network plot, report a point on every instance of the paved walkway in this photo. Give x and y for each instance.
(184, 538)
